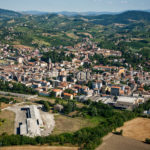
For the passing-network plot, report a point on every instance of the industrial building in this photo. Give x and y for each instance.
(128, 102)
(33, 124)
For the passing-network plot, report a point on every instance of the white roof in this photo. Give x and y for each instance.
(127, 99)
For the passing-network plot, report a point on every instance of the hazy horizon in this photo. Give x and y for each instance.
(75, 6)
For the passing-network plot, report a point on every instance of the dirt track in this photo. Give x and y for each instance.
(138, 129)
(38, 148)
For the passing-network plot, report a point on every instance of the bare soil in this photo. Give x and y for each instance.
(138, 129)
(23, 47)
(116, 142)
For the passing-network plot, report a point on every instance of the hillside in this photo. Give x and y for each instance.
(128, 30)
(8, 13)
(123, 18)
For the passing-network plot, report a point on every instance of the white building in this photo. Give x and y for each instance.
(97, 85)
(128, 102)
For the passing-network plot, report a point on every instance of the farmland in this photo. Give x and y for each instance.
(116, 142)
(138, 129)
(8, 125)
(68, 124)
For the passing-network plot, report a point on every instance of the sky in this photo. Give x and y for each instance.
(75, 5)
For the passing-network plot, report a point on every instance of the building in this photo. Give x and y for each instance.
(50, 64)
(68, 96)
(20, 60)
(57, 92)
(115, 90)
(128, 102)
(97, 85)
(105, 68)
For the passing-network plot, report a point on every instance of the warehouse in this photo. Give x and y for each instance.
(128, 102)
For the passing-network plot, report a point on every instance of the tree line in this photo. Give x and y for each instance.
(16, 87)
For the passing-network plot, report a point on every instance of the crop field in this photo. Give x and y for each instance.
(138, 129)
(117, 142)
(68, 124)
(22, 47)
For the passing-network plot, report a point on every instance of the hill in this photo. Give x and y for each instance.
(125, 31)
(123, 18)
(8, 13)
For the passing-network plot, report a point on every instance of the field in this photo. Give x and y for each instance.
(116, 142)
(68, 124)
(8, 125)
(72, 35)
(22, 47)
(3, 105)
(38, 148)
(138, 129)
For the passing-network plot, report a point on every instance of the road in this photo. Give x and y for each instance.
(18, 95)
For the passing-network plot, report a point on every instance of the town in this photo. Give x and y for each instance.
(74, 75)
(78, 77)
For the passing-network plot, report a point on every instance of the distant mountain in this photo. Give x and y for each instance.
(34, 12)
(67, 13)
(122, 18)
(85, 13)
(148, 10)
(53, 29)
(8, 13)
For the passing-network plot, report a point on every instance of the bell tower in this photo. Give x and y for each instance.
(49, 64)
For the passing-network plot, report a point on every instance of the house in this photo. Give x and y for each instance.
(115, 90)
(121, 71)
(68, 96)
(97, 85)
(84, 89)
(55, 83)
(63, 78)
(66, 85)
(57, 92)
(105, 68)
(88, 92)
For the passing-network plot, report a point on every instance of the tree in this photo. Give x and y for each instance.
(136, 79)
(46, 106)
(115, 98)
(52, 94)
(147, 140)
(94, 112)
